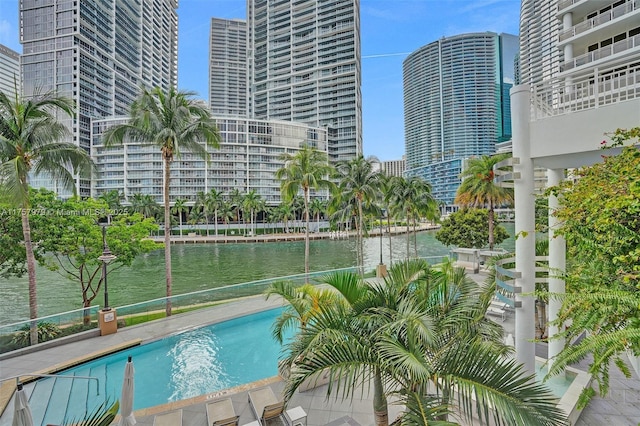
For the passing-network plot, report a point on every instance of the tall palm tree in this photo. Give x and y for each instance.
(305, 170)
(286, 213)
(252, 202)
(226, 214)
(317, 207)
(174, 122)
(235, 198)
(113, 198)
(214, 202)
(180, 207)
(420, 330)
(31, 142)
(358, 183)
(201, 205)
(479, 190)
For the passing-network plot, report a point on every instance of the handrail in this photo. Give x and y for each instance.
(62, 376)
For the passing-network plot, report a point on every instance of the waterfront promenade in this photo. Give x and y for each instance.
(195, 238)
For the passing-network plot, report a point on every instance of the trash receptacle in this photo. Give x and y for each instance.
(108, 321)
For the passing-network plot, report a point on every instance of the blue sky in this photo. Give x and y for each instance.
(390, 30)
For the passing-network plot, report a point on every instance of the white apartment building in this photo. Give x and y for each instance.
(9, 71)
(394, 167)
(98, 54)
(228, 94)
(249, 155)
(580, 61)
(304, 66)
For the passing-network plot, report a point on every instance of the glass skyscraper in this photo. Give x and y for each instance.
(98, 54)
(456, 105)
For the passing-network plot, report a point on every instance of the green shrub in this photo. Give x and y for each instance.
(46, 331)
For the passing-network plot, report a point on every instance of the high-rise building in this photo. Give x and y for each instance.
(9, 71)
(456, 105)
(539, 54)
(98, 54)
(228, 94)
(304, 66)
(250, 153)
(394, 167)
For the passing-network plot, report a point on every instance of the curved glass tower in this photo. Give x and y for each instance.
(456, 105)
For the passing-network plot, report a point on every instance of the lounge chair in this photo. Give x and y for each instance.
(172, 418)
(221, 413)
(265, 405)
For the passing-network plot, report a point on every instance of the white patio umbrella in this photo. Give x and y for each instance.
(126, 399)
(22, 414)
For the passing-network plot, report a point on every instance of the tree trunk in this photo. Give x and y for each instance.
(380, 409)
(407, 218)
(306, 234)
(215, 223)
(167, 234)
(360, 248)
(180, 217)
(389, 231)
(31, 270)
(491, 226)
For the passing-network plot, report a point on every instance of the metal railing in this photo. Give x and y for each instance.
(571, 94)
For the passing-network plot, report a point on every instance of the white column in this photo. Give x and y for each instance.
(557, 264)
(524, 227)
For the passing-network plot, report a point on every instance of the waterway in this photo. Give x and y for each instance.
(204, 266)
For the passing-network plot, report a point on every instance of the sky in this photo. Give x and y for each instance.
(390, 30)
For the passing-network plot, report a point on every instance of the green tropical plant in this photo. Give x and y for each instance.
(252, 202)
(478, 188)
(468, 228)
(358, 186)
(174, 122)
(180, 207)
(46, 331)
(423, 336)
(145, 204)
(305, 170)
(113, 198)
(103, 415)
(599, 219)
(32, 143)
(214, 201)
(235, 198)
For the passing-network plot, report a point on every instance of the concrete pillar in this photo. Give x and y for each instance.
(524, 226)
(557, 265)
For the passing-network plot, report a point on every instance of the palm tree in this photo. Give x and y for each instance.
(144, 204)
(286, 213)
(358, 183)
(479, 190)
(31, 143)
(201, 205)
(226, 213)
(235, 198)
(173, 122)
(252, 202)
(422, 335)
(305, 170)
(180, 207)
(317, 207)
(214, 202)
(112, 198)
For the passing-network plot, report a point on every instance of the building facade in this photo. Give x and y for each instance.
(304, 66)
(228, 93)
(456, 105)
(9, 71)
(249, 154)
(98, 54)
(588, 86)
(394, 167)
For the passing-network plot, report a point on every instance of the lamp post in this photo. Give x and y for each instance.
(106, 258)
(381, 269)
(380, 240)
(107, 316)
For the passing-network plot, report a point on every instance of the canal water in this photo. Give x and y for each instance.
(204, 266)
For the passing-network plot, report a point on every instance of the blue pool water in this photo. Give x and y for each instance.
(181, 366)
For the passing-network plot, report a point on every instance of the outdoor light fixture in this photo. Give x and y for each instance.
(106, 258)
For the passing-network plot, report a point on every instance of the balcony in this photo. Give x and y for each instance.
(601, 19)
(603, 52)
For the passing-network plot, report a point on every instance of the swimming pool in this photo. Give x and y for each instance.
(177, 367)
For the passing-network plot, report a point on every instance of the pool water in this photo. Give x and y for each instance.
(177, 367)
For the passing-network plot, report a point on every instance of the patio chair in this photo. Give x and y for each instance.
(221, 413)
(172, 418)
(265, 405)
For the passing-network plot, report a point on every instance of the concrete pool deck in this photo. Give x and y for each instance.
(601, 411)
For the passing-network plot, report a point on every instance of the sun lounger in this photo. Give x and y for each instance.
(221, 413)
(265, 405)
(172, 418)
